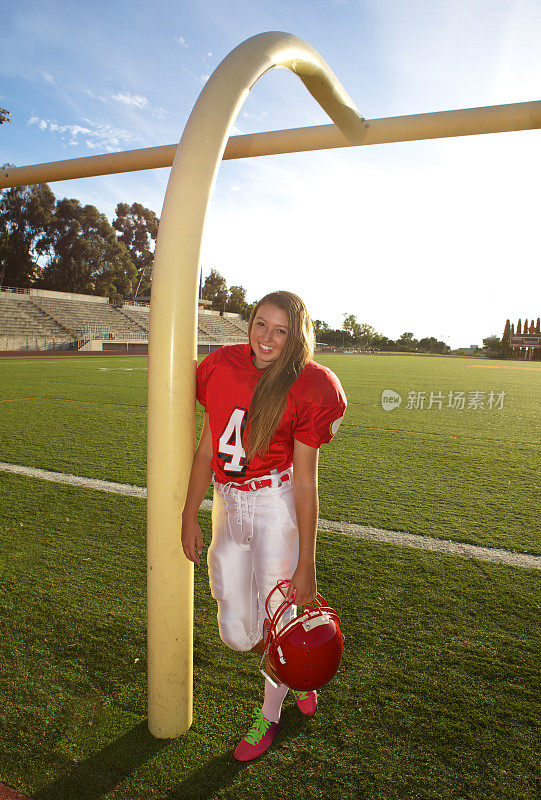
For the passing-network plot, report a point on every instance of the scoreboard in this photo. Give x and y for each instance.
(531, 340)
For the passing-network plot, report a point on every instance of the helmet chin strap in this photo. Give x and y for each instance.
(263, 659)
(266, 674)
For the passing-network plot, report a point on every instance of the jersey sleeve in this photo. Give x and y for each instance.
(321, 404)
(202, 375)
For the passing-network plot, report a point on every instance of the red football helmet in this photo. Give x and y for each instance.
(306, 652)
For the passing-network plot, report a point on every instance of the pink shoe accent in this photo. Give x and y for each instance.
(258, 739)
(306, 702)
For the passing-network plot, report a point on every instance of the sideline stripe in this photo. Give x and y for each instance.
(74, 480)
(509, 557)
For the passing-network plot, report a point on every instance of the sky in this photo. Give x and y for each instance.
(440, 237)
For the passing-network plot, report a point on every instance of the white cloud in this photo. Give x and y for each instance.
(182, 41)
(75, 130)
(256, 117)
(136, 100)
(94, 96)
(96, 134)
(47, 76)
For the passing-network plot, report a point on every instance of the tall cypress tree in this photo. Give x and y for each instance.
(506, 339)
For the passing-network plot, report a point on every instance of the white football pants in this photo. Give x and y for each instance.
(255, 542)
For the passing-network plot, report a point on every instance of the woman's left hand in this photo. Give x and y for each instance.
(303, 584)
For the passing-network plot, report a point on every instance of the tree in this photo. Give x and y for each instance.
(320, 327)
(382, 342)
(492, 346)
(25, 214)
(360, 332)
(236, 301)
(4, 115)
(506, 338)
(215, 290)
(350, 323)
(432, 345)
(137, 228)
(407, 342)
(365, 333)
(85, 255)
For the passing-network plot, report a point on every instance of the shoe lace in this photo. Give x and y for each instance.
(300, 695)
(258, 729)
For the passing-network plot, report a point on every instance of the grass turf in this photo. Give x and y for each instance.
(470, 475)
(437, 695)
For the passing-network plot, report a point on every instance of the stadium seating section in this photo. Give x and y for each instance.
(41, 322)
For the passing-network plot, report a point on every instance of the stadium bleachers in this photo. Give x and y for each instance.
(214, 327)
(77, 315)
(21, 320)
(139, 316)
(38, 320)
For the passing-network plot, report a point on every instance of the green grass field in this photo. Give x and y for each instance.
(436, 696)
(438, 693)
(470, 475)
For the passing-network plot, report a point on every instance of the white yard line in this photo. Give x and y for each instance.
(350, 529)
(74, 480)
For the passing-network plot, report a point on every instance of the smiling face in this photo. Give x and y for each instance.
(268, 335)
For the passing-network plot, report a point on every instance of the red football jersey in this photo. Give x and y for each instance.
(226, 380)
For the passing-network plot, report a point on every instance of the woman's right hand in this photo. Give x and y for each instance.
(192, 539)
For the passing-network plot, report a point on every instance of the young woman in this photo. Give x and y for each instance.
(269, 407)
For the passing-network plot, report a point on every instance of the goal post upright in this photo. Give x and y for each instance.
(173, 347)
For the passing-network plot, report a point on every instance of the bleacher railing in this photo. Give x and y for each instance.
(105, 332)
(135, 304)
(14, 290)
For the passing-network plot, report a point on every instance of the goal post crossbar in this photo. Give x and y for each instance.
(413, 127)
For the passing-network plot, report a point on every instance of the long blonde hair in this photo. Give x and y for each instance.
(269, 398)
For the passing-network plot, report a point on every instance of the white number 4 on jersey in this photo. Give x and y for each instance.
(230, 443)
